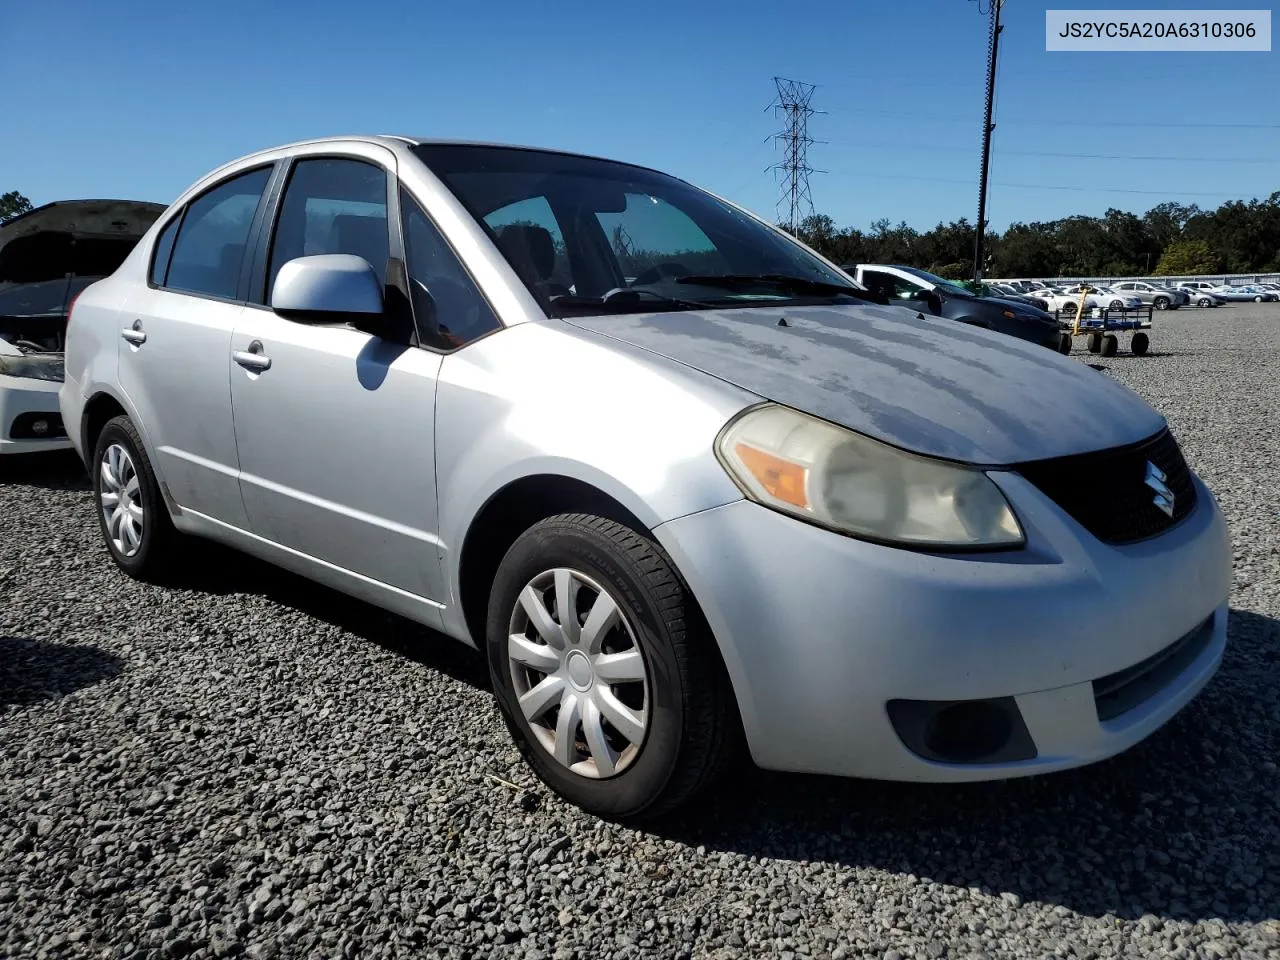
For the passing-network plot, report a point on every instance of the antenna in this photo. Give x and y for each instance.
(793, 106)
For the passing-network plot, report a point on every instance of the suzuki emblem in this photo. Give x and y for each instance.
(1155, 479)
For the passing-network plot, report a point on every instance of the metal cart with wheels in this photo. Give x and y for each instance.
(1101, 329)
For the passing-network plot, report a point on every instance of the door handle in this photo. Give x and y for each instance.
(134, 334)
(253, 358)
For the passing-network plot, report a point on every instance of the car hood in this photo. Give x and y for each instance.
(933, 386)
(1024, 308)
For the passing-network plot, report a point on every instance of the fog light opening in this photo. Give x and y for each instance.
(968, 732)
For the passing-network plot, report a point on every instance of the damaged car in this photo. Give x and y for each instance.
(48, 256)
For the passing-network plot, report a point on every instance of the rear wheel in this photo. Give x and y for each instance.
(1064, 344)
(132, 515)
(1095, 343)
(1110, 345)
(1139, 344)
(604, 670)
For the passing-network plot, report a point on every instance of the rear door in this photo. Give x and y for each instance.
(175, 339)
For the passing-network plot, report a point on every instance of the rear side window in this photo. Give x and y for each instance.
(333, 205)
(211, 242)
(164, 249)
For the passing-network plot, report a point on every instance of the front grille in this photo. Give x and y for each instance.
(1107, 492)
(1125, 689)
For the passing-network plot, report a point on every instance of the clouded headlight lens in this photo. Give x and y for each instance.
(826, 474)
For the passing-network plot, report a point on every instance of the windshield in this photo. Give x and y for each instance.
(583, 233)
(948, 286)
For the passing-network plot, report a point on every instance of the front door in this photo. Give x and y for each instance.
(335, 428)
(174, 341)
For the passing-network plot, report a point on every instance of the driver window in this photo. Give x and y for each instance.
(893, 287)
(653, 239)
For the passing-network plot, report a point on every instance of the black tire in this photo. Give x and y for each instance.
(1257, 299)
(1117, 306)
(1069, 308)
(1139, 344)
(160, 546)
(1095, 343)
(1204, 302)
(1161, 303)
(1064, 344)
(692, 731)
(1110, 345)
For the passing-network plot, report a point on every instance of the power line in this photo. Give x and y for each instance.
(1028, 186)
(793, 105)
(1030, 121)
(931, 148)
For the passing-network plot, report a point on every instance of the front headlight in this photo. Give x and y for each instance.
(33, 366)
(814, 470)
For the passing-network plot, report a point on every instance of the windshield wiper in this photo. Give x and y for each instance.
(624, 300)
(797, 285)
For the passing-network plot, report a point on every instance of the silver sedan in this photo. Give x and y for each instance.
(682, 482)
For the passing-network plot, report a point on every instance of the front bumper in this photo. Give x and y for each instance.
(23, 400)
(820, 632)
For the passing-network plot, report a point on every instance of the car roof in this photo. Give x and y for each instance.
(400, 141)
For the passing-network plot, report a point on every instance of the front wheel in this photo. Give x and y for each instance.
(1110, 344)
(604, 670)
(1161, 303)
(132, 514)
(1257, 299)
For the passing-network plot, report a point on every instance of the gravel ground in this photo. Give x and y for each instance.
(256, 766)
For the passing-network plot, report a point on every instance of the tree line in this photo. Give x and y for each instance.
(1170, 239)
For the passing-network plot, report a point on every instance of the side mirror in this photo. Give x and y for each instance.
(930, 297)
(331, 287)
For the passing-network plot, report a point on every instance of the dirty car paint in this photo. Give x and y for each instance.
(925, 384)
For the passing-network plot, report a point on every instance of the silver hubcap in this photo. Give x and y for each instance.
(578, 672)
(121, 500)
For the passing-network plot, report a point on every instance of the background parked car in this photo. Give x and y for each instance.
(1160, 297)
(47, 257)
(1247, 292)
(1067, 299)
(925, 292)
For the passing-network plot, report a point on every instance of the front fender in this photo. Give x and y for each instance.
(544, 398)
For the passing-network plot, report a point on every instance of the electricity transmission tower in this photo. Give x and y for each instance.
(793, 105)
(993, 48)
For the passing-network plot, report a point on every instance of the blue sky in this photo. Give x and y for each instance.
(137, 99)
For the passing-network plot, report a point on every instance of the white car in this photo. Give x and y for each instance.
(47, 257)
(1098, 298)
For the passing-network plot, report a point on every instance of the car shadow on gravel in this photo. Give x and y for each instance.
(218, 570)
(36, 670)
(1183, 826)
(60, 470)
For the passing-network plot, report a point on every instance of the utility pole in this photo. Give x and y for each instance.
(793, 105)
(993, 48)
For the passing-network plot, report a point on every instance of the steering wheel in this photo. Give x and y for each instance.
(660, 271)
